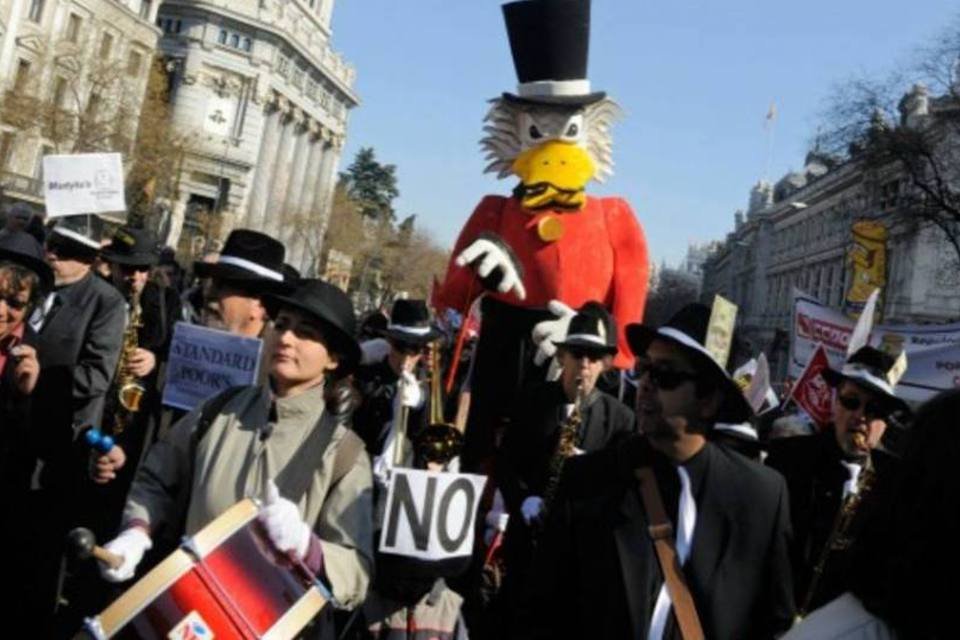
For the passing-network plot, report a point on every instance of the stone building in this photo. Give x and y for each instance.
(796, 234)
(73, 71)
(265, 101)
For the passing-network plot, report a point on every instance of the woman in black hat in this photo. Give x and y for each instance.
(283, 443)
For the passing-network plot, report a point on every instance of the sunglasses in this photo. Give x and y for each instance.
(406, 349)
(871, 408)
(14, 302)
(128, 269)
(662, 377)
(577, 354)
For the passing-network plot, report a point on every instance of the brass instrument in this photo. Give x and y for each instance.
(566, 447)
(440, 442)
(130, 390)
(840, 538)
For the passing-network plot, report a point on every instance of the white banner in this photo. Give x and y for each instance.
(933, 351)
(430, 515)
(83, 183)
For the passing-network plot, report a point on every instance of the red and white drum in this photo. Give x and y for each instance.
(225, 582)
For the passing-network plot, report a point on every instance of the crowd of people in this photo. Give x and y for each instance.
(650, 502)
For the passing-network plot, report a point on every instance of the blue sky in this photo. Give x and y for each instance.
(695, 77)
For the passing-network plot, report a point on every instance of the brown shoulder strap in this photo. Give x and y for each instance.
(349, 447)
(661, 531)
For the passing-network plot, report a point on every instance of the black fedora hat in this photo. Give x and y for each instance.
(130, 246)
(331, 307)
(550, 42)
(410, 323)
(82, 232)
(248, 257)
(593, 329)
(687, 329)
(19, 247)
(874, 370)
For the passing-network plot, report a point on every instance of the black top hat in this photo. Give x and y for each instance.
(550, 40)
(687, 329)
(83, 231)
(19, 247)
(592, 329)
(130, 246)
(248, 257)
(331, 307)
(410, 323)
(872, 369)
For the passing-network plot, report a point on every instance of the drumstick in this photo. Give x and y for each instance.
(84, 546)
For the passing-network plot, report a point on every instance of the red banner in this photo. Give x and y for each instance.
(811, 392)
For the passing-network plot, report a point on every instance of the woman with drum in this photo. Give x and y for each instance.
(284, 445)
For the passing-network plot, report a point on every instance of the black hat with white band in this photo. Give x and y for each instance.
(874, 370)
(249, 258)
(410, 323)
(592, 329)
(688, 329)
(82, 232)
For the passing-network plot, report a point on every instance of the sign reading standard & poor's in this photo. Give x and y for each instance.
(204, 362)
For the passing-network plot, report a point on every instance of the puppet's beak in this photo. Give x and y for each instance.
(553, 174)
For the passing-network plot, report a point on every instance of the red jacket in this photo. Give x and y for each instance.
(602, 255)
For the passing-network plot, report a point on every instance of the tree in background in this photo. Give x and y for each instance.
(670, 290)
(373, 186)
(915, 134)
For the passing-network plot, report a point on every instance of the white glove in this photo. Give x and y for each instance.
(549, 331)
(411, 395)
(531, 508)
(281, 518)
(381, 470)
(374, 350)
(494, 257)
(130, 545)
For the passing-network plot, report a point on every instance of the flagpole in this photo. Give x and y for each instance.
(770, 125)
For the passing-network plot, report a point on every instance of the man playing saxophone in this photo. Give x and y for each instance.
(557, 420)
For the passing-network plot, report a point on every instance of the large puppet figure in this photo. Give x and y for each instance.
(549, 248)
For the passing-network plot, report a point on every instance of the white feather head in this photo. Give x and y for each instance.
(512, 128)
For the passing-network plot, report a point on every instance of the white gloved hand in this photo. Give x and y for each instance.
(281, 518)
(374, 350)
(531, 508)
(381, 470)
(130, 545)
(411, 395)
(494, 257)
(549, 331)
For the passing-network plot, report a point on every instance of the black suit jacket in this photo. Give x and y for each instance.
(78, 347)
(15, 463)
(596, 574)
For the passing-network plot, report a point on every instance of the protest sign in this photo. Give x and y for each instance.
(811, 392)
(933, 351)
(204, 362)
(431, 515)
(83, 183)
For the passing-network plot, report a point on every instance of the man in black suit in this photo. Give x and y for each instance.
(835, 467)
(596, 573)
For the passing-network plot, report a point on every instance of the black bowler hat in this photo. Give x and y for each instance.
(874, 370)
(137, 247)
(687, 329)
(550, 41)
(83, 232)
(592, 329)
(19, 247)
(331, 307)
(410, 323)
(248, 258)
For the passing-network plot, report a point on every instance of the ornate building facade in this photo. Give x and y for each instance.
(74, 74)
(265, 101)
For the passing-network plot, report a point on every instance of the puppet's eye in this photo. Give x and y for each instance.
(534, 132)
(573, 130)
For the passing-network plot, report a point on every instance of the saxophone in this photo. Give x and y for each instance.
(840, 538)
(566, 447)
(129, 388)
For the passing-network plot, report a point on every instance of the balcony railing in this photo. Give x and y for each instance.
(19, 185)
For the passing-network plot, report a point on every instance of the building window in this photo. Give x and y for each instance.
(59, 91)
(22, 77)
(106, 46)
(169, 25)
(235, 40)
(73, 28)
(134, 62)
(6, 149)
(283, 65)
(145, 6)
(297, 79)
(36, 10)
(247, 44)
(223, 36)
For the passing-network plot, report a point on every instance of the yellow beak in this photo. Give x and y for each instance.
(554, 174)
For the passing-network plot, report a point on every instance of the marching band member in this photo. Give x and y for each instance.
(828, 470)
(597, 561)
(285, 444)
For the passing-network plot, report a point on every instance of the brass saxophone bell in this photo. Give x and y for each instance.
(131, 394)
